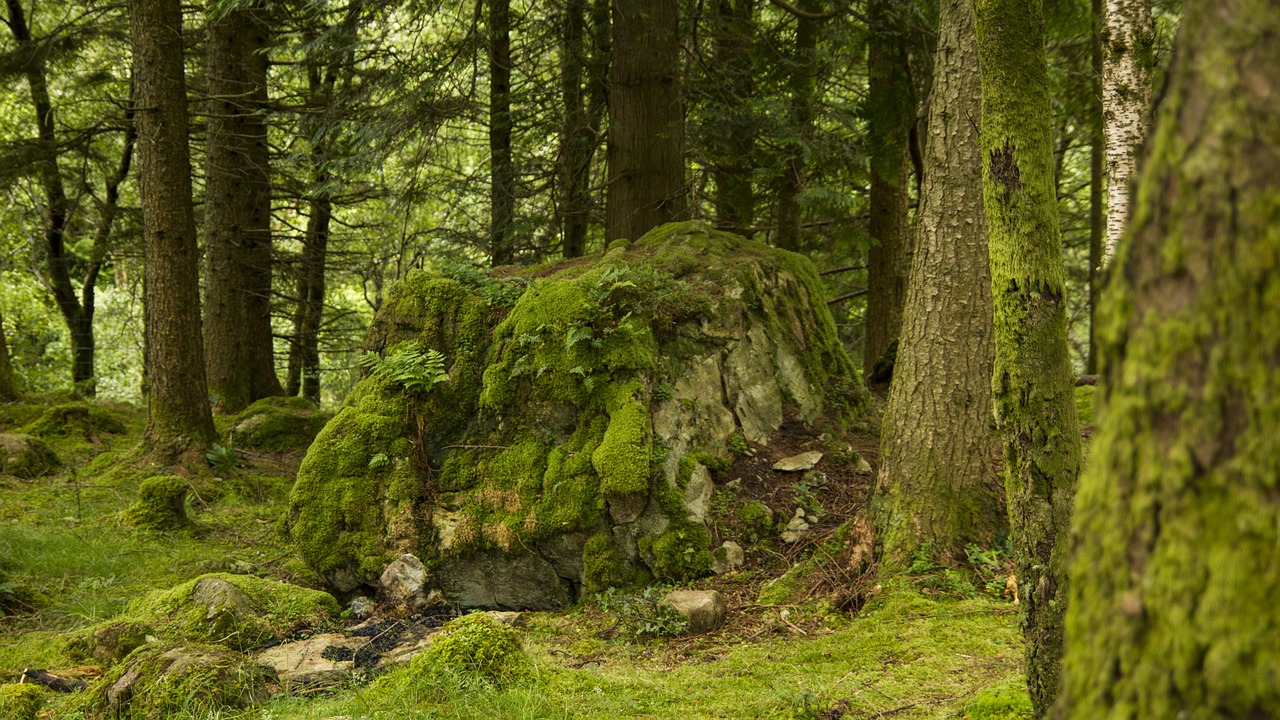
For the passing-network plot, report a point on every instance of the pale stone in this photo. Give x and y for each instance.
(706, 609)
(864, 467)
(301, 664)
(697, 494)
(798, 463)
(728, 557)
(403, 583)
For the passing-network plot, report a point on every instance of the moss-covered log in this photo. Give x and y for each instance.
(1032, 378)
(580, 399)
(1177, 557)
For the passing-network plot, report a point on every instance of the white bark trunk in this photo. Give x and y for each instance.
(1126, 95)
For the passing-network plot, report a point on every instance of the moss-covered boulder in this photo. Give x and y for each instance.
(108, 642)
(161, 504)
(240, 611)
(278, 423)
(566, 435)
(26, 456)
(77, 419)
(164, 680)
(21, 701)
(476, 649)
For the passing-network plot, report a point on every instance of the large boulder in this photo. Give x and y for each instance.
(162, 680)
(569, 433)
(278, 423)
(26, 456)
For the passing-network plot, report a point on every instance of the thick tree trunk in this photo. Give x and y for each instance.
(732, 139)
(802, 81)
(8, 388)
(502, 170)
(1177, 557)
(646, 132)
(891, 114)
(1128, 58)
(938, 486)
(583, 109)
(178, 415)
(238, 341)
(1032, 379)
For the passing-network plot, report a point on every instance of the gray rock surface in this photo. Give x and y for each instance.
(706, 609)
(798, 463)
(403, 585)
(728, 557)
(302, 664)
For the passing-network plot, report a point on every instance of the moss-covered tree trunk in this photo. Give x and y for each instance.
(176, 390)
(1032, 378)
(938, 485)
(238, 343)
(646, 131)
(1177, 560)
(8, 388)
(891, 112)
(801, 80)
(502, 169)
(732, 140)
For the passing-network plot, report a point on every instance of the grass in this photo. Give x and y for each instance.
(917, 650)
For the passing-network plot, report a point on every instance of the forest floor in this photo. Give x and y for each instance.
(937, 643)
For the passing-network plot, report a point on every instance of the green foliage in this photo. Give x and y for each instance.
(643, 614)
(409, 367)
(497, 293)
(737, 444)
(222, 458)
(680, 553)
(21, 701)
(1006, 700)
(478, 650)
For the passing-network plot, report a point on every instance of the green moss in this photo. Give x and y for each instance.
(754, 520)
(604, 565)
(161, 505)
(681, 553)
(167, 680)
(278, 423)
(1006, 700)
(1084, 405)
(83, 419)
(21, 701)
(477, 649)
(262, 610)
(622, 460)
(108, 642)
(26, 456)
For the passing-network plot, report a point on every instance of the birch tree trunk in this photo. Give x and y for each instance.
(1127, 60)
(1177, 556)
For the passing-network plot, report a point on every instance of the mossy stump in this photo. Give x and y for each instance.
(161, 504)
(26, 456)
(585, 402)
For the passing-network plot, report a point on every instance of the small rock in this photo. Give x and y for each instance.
(798, 463)
(509, 618)
(361, 607)
(797, 528)
(403, 584)
(734, 485)
(811, 519)
(798, 514)
(303, 663)
(728, 557)
(697, 494)
(864, 467)
(705, 609)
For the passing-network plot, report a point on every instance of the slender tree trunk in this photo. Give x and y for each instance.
(1097, 180)
(583, 78)
(1032, 380)
(304, 356)
(502, 171)
(802, 81)
(8, 388)
(938, 486)
(1177, 560)
(891, 114)
(57, 268)
(1127, 61)
(238, 342)
(732, 139)
(178, 416)
(646, 134)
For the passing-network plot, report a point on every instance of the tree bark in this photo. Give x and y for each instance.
(1129, 45)
(891, 114)
(304, 355)
(8, 388)
(583, 110)
(938, 487)
(502, 171)
(238, 342)
(1032, 378)
(646, 133)
(732, 140)
(1097, 182)
(1177, 556)
(178, 416)
(802, 81)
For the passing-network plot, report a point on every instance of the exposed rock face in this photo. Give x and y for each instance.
(587, 407)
